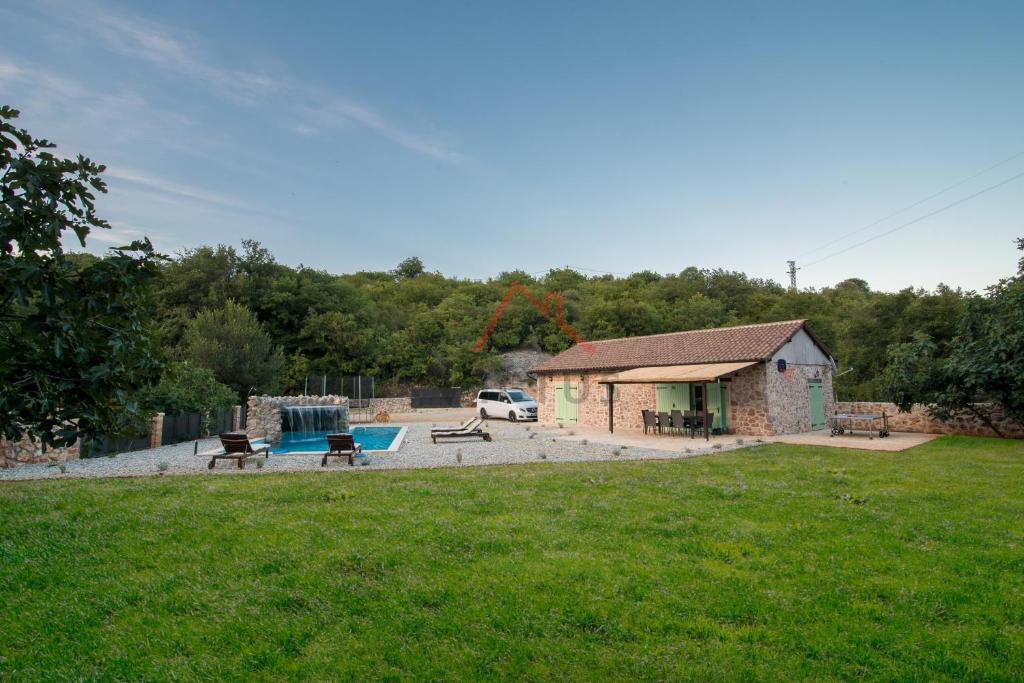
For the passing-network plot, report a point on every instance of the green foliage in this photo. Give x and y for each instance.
(185, 388)
(408, 326)
(979, 371)
(74, 342)
(409, 268)
(231, 342)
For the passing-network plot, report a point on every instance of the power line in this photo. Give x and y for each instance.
(918, 219)
(911, 206)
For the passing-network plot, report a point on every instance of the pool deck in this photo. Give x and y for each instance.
(513, 443)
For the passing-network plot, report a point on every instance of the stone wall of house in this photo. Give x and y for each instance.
(918, 420)
(762, 401)
(592, 409)
(263, 420)
(748, 402)
(789, 403)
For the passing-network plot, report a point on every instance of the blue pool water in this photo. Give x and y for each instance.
(370, 438)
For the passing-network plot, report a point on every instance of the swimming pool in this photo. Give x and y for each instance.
(370, 438)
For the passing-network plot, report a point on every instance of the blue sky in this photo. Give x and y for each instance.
(485, 137)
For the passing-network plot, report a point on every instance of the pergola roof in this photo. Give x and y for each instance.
(696, 372)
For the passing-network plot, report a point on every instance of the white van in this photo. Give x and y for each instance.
(515, 404)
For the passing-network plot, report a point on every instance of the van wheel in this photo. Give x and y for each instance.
(483, 413)
(511, 416)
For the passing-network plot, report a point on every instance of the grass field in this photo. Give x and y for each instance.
(772, 563)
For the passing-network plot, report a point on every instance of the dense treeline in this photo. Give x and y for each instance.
(261, 324)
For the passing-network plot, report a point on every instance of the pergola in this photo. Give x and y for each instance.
(697, 373)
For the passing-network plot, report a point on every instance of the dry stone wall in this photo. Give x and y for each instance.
(918, 420)
(27, 452)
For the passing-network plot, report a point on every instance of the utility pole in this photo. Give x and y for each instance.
(792, 275)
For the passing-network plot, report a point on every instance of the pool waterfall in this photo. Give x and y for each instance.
(315, 418)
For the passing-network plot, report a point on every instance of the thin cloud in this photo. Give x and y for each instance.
(170, 187)
(182, 53)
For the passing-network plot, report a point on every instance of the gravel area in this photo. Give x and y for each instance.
(512, 444)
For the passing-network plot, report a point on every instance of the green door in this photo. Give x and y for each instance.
(565, 402)
(717, 400)
(817, 406)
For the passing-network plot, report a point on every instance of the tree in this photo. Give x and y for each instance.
(74, 337)
(231, 342)
(980, 371)
(409, 268)
(185, 388)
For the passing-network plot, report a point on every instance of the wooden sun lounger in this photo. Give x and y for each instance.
(469, 425)
(341, 446)
(461, 434)
(237, 447)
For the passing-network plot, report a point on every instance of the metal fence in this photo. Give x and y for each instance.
(436, 397)
(103, 446)
(353, 386)
(188, 427)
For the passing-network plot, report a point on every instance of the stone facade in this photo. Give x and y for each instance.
(592, 410)
(762, 401)
(263, 420)
(789, 404)
(748, 402)
(918, 420)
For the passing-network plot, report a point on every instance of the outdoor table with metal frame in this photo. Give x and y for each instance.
(840, 423)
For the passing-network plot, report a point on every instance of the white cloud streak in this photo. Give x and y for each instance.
(181, 53)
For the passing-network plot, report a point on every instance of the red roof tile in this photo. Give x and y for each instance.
(718, 345)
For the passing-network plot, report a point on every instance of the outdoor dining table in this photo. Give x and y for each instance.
(691, 420)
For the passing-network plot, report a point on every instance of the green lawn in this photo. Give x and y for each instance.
(772, 563)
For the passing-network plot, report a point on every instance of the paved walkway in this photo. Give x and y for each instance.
(896, 441)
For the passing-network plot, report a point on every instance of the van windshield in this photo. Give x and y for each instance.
(518, 396)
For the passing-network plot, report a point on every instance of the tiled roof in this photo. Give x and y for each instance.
(718, 345)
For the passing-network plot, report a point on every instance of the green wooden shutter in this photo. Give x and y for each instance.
(565, 402)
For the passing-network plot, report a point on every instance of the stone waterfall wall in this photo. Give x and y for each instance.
(263, 421)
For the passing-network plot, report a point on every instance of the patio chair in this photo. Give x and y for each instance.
(664, 422)
(341, 446)
(650, 422)
(237, 447)
(679, 421)
(470, 433)
(470, 424)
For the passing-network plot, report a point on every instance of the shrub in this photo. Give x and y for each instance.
(186, 388)
(163, 467)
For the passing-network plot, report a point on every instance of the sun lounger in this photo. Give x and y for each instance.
(469, 425)
(237, 447)
(341, 446)
(473, 433)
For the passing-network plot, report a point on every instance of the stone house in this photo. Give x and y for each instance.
(764, 379)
